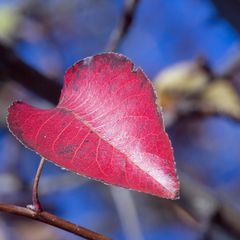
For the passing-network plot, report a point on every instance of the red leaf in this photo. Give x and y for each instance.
(106, 126)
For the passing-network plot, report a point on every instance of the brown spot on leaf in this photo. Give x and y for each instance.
(63, 150)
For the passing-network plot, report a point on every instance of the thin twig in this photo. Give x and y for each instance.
(123, 26)
(53, 220)
(35, 199)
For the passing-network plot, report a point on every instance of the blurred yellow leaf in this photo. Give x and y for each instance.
(186, 88)
(179, 81)
(9, 20)
(222, 97)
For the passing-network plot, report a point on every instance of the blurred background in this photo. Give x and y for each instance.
(190, 49)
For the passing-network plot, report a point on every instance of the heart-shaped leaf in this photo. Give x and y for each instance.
(106, 126)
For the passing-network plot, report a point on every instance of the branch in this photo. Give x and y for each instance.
(123, 26)
(218, 211)
(11, 66)
(205, 113)
(53, 220)
(127, 212)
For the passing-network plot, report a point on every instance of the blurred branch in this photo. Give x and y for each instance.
(53, 220)
(207, 207)
(123, 26)
(11, 66)
(228, 10)
(204, 113)
(227, 219)
(127, 213)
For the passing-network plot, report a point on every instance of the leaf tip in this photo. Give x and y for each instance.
(176, 193)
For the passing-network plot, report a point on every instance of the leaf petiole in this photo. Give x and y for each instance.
(36, 205)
